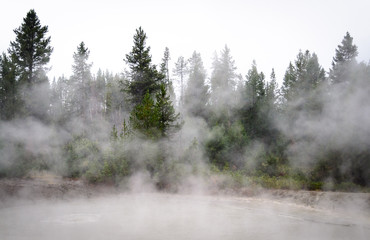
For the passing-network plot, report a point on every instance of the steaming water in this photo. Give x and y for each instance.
(159, 216)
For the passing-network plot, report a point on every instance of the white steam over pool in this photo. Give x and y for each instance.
(160, 216)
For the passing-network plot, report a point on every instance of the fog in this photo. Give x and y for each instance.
(162, 216)
(231, 155)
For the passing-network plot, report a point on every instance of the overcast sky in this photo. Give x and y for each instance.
(271, 32)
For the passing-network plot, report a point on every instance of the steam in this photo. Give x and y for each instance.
(342, 124)
(153, 216)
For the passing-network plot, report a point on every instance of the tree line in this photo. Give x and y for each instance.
(252, 125)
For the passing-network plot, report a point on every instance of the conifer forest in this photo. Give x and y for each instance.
(176, 123)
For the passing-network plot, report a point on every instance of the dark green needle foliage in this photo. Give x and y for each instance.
(31, 49)
(143, 76)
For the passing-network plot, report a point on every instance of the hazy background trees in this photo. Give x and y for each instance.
(311, 132)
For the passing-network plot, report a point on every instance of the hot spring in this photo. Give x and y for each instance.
(164, 216)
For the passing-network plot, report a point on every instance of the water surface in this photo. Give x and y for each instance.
(161, 216)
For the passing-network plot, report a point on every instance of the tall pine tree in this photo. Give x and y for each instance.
(79, 83)
(180, 70)
(143, 76)
(31, 49)
(345, 58)
(30, 53)
(166, 73)
(9, 97)
(196, 94)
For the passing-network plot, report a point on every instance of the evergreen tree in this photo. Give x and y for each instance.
(9, 94)
(302, 78)
(144, 118)
(166, 73)
(196, 95)
(143, 75)
(155, 119)
(345, 58)
(167, 118)
(315, 74)
(98, 93)
(271, 89)
(181, 70)
(255, 85)
(164, 66)
(80, 83)
(31, 50)
(254, 123)
(223, 78)
(56, 101)
(289, 82)
(223, 96)
(115, 104)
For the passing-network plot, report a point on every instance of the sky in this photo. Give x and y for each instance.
(267, 31)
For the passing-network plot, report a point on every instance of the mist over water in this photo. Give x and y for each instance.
(161, 216)
(127, 156)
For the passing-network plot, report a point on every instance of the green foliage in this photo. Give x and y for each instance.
(143, 75)
(345, 58)
(226, 145)
(155, 119)
(255, 86)
(196, 94)
(302, 78)
(180, 71)
(258, 110)
(24, 161)
(278, 182)
(79, 153)
(114, 100)
(223, 79)
(114, 134)
(31, 50)
(10, 99)
(244, 145)
(144, 118)
(273, 166)
(24, 74)
(112, 167)
(79, 84)
(167, 117)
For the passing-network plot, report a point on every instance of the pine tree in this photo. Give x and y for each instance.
(144, 118)
(289, 82)
(271, 89)
(166, 74)
(31, 50)
(79, 83)
(302, 78)
(181, 70)
(196, 94)
(223, 78)
(114, 100)
(143, 75)
(254, 123)
(10, 101)
(98, 93)
(255, 85)
(345, 58)
(164, 66)
(167, 118)
(155, 119)
(56, 100)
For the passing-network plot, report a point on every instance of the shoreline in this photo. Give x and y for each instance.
(57, 188)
